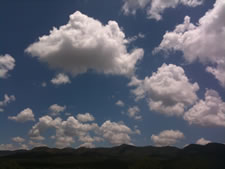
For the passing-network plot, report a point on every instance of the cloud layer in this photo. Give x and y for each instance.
(86, 44)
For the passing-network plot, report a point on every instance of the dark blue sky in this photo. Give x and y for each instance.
(23, 22)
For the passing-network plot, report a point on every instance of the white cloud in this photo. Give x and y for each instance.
(116, 133)
(120, 103)
(7, 63)
(56, 109)
(60, 79)
(167, 137)
(208, 112)
(23, 116)
(203, 42)
(87, 145)
(85, 117)
(202, 141)
(133, 112)
(7, 99)
(167, 91)
(155, 8)
(86, 44)
(18, 139)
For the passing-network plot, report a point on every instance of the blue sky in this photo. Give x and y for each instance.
(137, 72)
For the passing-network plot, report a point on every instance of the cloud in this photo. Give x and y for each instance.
(60, 79)
(7, 63)
(86, 44)
(155, 8)
(85, 117)
(167, 137)
(72, 130)
(208, 112)
(18, 139)
(56, 109)
(25, 115)
(87, 145)
(133, 112)
(167, 91)
(44, 84)
(120, 103)
(203, 42)
(7, 99)
(4, 147)
(202, 141)
(116, 133)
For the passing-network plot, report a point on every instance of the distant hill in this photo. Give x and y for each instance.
(210, 156)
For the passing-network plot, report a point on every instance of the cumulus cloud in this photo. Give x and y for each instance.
(133, 112)
(203, 42)
(155, 8)
(7, 99)
(60, 79)
(202, 141)
(56, 109)
(7, 63)
(85, 117)
(25, 115)
(167, 91)
(86, 44)
(18, 139)
(116, 133)
(72, 130)
(208, 112)
(167, 137)
(120, 103)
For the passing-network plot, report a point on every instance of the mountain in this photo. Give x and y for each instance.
(210, 156)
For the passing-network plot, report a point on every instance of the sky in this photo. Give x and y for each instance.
(96, 73)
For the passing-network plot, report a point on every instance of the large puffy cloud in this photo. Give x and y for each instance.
(7, 99)
(56, 109)
(208, 112)
(168, 90)
(25, 115)
(72, 130)
(7, 63)
(86, 44)
(60, 79)
(155, 8)
(203, 42)
(167, 137)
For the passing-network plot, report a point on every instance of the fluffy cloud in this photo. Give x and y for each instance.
(7, 63)
(202, 141)
(167, 137)
(85, 117)
(72, 130)
(23, 116)
(86, 44)
(18, 139)
(120, 103)
(60, 79)
(7, 99)
(208, 112)
(55, 109)
(116, 133)
(203, 42)
(168, 90)
(133, 112)
(155, 8)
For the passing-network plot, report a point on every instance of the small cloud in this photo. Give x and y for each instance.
(202, 141)
(7, 99)
(44, 84)
(18, 139)
(23, 116)
(133, 112)
(85, 117)
(7, 63)
(55, 109)
(60, 79)
(120, 103)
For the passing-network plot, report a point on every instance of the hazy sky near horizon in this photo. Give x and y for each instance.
(103, 73)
